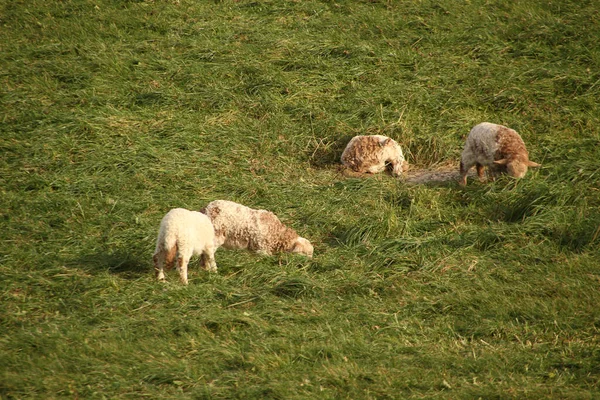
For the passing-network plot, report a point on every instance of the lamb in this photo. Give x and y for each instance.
(240, 227)
(184, 233)
(371, 154)
(497, 147)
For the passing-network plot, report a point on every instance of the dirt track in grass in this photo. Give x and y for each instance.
(442, 173)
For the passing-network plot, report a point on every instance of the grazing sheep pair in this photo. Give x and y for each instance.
(183, 233)
(496, 147)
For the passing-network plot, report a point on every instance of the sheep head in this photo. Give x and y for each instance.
(302, 246)
(516, 168)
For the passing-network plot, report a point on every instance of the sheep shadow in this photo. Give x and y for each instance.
(327, 152)
(119, 262)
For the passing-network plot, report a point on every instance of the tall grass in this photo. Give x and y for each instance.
(113, 112)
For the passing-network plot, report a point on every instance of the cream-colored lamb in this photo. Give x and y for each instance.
(497, 147)
(240, 227)
(182, 234)
(372, 153)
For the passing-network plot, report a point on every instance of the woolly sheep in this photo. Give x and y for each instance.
(497, 147)
(184, 233)
(370, 154)
(240, 227)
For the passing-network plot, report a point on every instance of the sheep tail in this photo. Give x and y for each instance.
(170, 256)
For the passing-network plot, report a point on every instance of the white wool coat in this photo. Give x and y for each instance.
(240, 227)
(182, 234)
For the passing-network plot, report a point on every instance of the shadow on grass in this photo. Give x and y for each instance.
(120, 262)
(295, 287)
(578, 234)
(327, 152)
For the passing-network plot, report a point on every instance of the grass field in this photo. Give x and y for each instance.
(113, 112)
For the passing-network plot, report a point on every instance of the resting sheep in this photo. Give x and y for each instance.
(182, 234)
(240, 227)
(497, 147)
(371, 154)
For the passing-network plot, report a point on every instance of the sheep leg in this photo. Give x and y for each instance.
(182, 267)
(480, 172)
(464, 170)
(208, 261)
(158, 259)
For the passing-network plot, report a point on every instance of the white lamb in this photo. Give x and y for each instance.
(497, 147)
(184, 233)
(371, 154)
(240, 227)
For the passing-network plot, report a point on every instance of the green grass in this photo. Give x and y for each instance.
(113, 112)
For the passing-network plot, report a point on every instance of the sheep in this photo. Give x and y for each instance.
(497, 147)
(240, 227)
(371, 154)
(184, 233)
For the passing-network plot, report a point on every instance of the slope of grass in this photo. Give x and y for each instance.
(113, 112)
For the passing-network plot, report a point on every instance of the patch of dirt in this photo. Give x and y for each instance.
(440, 174)
(443, 173)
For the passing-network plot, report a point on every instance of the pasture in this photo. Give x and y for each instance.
(113, 112)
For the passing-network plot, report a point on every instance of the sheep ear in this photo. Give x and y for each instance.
(533, 164)
(295, 247)
(504, 161)
(384, 143)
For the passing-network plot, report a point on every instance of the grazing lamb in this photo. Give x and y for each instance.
(241, 227)
(370, 154)
(497, 147)
(184, 233)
